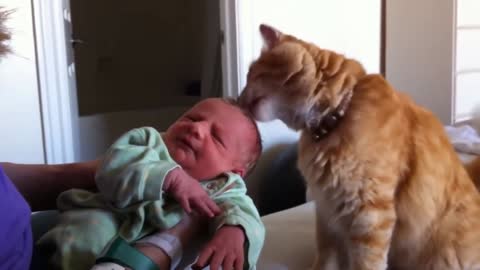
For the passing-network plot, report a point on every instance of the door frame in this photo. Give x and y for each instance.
(230, 54)
(57, 98)
(236, 24)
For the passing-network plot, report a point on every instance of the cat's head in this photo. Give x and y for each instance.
(293, 80)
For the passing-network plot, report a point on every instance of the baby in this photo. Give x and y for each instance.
(147, 181)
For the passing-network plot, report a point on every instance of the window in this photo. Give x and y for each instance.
(467, 57)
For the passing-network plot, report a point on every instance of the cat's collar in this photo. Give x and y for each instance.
(331, 118)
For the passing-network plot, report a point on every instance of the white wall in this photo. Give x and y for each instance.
(419, 52)
(21, 139)
(347, 26)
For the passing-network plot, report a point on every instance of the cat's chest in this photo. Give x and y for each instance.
(335, 195)
(334, 178)
(334, 207)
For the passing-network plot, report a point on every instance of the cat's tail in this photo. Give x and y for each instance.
(473, 169)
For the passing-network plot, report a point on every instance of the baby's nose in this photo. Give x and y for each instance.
(199, 129)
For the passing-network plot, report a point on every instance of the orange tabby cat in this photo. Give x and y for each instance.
(389, 188)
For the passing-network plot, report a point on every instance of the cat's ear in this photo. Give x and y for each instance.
(271, 36)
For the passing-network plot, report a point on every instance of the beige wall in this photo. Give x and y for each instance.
(138, 54)
(21, 126)
(176, 42)
(419, 52)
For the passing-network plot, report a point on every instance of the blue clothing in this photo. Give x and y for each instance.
(15, 229)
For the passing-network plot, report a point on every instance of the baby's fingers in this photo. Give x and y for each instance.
(214, 207)
(239, 263)
(217, 260)
(202, 207)
(228, 262)
(203, 258)
(184, 202)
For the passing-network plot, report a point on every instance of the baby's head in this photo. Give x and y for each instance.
(214, 137)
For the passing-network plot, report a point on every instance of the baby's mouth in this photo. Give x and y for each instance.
(184, 143)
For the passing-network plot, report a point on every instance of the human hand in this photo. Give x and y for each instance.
(225, 249)
(189, 193)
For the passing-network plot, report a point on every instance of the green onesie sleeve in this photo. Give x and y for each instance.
(134, 168)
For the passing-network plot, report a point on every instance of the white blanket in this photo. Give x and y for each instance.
(465, 139)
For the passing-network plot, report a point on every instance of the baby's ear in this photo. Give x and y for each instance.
(271, 36)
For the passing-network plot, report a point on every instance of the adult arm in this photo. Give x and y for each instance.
(40, 184)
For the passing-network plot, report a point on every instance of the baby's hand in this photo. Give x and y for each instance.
(225, 249)
(189, 193)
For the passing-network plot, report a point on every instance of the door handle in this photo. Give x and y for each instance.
(75, 42)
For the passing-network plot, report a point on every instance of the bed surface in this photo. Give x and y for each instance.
(289, 243)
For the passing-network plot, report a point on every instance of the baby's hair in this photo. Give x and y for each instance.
(252, 159)
(4, 33)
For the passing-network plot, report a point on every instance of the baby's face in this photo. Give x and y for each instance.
(210, 139)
